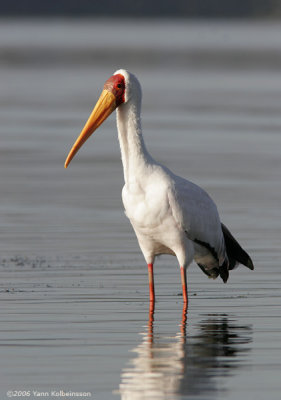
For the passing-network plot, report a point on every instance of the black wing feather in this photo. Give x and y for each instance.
(236, 255)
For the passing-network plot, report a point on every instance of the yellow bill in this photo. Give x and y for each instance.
(104, 107)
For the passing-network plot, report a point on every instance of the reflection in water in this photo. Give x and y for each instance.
(172, 367)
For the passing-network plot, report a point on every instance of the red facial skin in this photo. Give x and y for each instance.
(116, 85)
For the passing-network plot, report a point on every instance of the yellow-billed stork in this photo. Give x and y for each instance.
(169, 214)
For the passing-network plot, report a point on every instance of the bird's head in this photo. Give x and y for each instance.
(117, 90)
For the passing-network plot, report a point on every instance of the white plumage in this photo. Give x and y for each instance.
(170, 215)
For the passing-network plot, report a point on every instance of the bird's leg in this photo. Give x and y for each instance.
(150, 322)
(184, 286)
(151, 283)
(183, 322)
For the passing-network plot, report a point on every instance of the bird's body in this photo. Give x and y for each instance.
(163, 210)
(170, 215)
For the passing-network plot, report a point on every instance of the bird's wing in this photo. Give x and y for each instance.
(196, 213)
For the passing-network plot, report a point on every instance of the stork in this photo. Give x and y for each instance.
(169, 214)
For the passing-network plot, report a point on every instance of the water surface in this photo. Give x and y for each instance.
(75, 312)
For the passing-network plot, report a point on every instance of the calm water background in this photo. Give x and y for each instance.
(74, 295)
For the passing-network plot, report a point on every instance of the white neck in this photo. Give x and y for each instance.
(135, 157)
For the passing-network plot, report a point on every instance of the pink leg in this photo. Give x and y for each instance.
(151, 283)
(184, 286)
(150, 322)
(183, 321)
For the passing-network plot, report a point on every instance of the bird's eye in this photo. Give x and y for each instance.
(119, 85)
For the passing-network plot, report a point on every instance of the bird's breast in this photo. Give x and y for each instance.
(145, 206)
(151, 216)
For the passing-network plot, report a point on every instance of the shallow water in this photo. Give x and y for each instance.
(75, 312)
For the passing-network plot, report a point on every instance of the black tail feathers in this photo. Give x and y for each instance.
(217, 271)
(236, 255)
(223, 271)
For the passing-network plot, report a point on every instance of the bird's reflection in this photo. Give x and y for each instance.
(185, 364)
